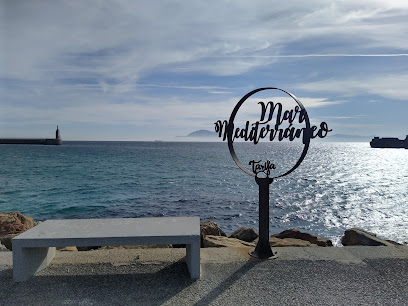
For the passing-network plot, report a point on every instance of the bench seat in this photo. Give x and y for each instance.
(34, 249)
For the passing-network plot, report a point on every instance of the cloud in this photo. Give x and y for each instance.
(124, 40)
(136, 62)
(391, 86)
(324, 55)
(319, 102)
(154, 112)
(288, 102)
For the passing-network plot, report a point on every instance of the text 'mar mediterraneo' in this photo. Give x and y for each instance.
(274, 123)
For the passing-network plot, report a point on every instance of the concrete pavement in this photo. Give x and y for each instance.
(300, 276)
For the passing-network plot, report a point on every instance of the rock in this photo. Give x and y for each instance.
(288, 242)
(245, 234)
(356, 236)
(210, 241)
(6, 241)
(394, 243)
(68, 249)
(296, 234)
(210, 228)
(13, 224)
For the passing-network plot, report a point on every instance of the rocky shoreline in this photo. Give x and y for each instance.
(15, 223)
(213, 236)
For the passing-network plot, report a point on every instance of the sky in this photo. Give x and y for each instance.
(155, 70)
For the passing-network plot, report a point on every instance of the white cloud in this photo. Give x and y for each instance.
(387, 86)
(289, 102)
(154, 112)
(319, 102)
(124, 39)
(83, 61)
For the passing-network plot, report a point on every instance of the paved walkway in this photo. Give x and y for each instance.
(300, 276)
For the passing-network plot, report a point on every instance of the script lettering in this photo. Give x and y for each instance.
(270, 125)
(259, 167)
(221, 128)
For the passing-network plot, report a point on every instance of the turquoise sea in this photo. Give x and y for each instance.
(338, 185)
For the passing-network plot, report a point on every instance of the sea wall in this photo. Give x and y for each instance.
(34, 141)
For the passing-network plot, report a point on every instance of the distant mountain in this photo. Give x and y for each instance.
(202, 133)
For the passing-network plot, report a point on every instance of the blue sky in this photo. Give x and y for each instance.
(147, 70)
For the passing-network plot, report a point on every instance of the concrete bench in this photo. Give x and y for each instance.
(34, 249)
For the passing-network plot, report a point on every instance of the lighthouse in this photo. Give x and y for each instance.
(57, 140)
(57, 134)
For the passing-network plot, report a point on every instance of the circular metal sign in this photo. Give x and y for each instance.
(302, 117)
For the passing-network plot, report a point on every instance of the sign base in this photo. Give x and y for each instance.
(274, 255)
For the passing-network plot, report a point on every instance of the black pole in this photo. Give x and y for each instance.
(263, 249)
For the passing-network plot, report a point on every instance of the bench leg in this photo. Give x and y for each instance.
(193, 259)
(28, 261)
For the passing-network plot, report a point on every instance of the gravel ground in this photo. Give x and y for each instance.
(300, 276)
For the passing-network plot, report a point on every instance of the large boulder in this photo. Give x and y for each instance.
(210, 241)
(210, 228)
(245, 234)
(296, 234)
(357, 236)
(290, 242)
(287, 242)
(13, 224)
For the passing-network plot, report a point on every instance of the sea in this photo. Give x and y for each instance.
(337, 186)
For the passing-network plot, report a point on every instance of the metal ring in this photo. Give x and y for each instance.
(231, 125)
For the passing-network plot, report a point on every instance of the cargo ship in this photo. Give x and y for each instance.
(37, 141)
(396, 143)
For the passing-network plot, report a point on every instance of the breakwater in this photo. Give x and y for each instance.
(30, 141)
(34, 141)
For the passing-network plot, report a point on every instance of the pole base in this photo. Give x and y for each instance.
(263, 249)
(272, 255)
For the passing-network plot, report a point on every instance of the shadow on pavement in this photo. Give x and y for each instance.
(139, 286)
(227, 283)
